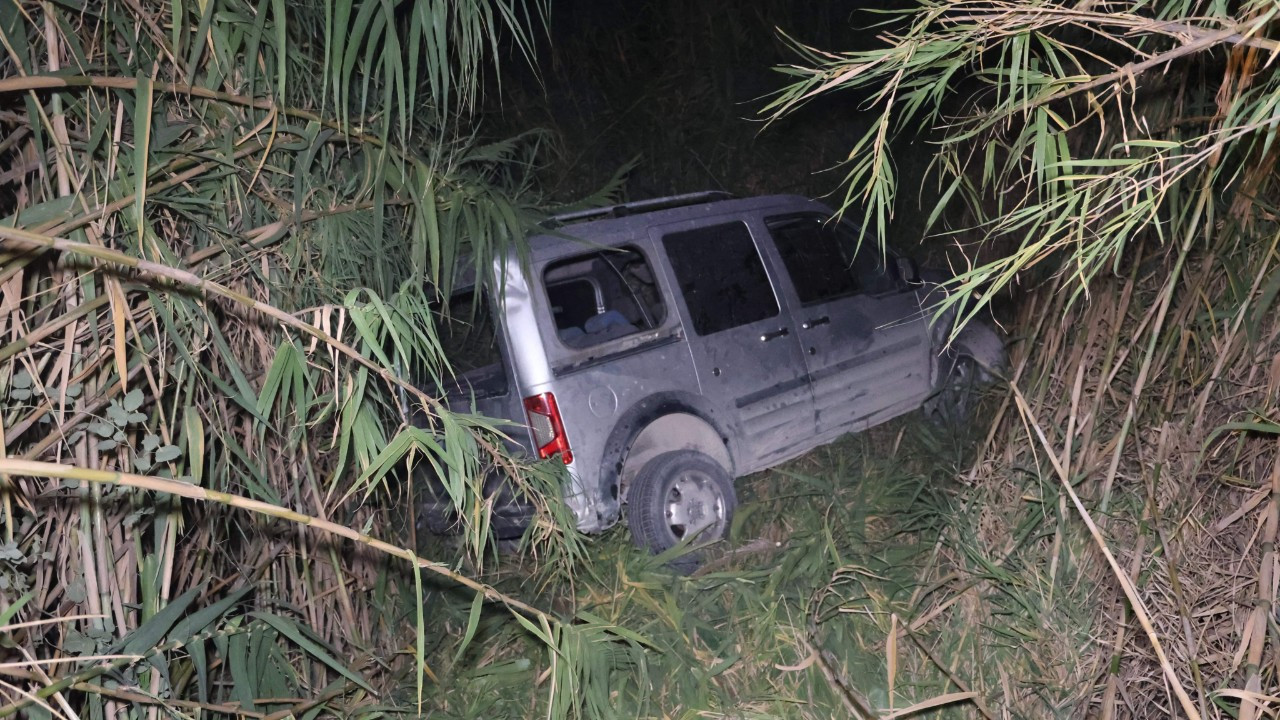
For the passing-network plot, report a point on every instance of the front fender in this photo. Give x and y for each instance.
(981, 342)
(977, 339)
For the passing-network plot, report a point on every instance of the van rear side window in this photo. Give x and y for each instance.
(470, 343)
(602, 296)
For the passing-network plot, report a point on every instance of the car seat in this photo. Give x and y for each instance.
(608, 325)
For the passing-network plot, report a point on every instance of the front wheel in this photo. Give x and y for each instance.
(678, 496)
(957, 395)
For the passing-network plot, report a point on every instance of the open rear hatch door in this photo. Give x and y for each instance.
(479, 381)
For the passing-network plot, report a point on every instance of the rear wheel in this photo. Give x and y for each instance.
(678, 496)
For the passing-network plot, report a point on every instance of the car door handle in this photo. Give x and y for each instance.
(780, 332)
(815, 322)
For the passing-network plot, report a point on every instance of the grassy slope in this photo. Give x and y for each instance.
(830, 556)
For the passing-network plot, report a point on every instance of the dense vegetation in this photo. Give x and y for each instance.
(203, 315)
(225, 223)
(1115, 162)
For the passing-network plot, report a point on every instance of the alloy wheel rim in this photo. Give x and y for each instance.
(694, 507)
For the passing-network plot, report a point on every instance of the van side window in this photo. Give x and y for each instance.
(602, 296)
(721, 276)
(824, 260)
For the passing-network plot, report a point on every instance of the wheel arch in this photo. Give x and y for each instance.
(658, 424)
(976, 340)
(979, 341)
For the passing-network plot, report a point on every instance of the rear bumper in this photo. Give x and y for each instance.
(508, 521)
(510, 515)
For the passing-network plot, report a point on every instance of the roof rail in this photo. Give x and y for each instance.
(637, 207)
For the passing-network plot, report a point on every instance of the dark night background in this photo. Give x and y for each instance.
(678, 86)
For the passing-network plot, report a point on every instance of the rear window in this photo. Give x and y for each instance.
(469, 340)
(601, 296)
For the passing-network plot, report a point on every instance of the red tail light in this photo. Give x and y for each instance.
(548, 429)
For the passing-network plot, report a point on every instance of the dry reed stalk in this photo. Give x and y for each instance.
(1135, 603)
(1137, 556)
(1255, 636)
(195, 282)
(1228, 353)
(1162, 308)
(1192, 644)
(33, 468)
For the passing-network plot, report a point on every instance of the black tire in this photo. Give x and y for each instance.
(957, 396)
(667, 491)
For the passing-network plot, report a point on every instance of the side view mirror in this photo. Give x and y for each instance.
(908, 271)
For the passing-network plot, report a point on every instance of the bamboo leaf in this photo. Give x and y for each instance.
(281, 47)
(313, 647)
(1263, 303)
(473, 621)
(143, 102)
(193, 429)
(202, 620)
(149, 634)
(245, 685)
(8, 613)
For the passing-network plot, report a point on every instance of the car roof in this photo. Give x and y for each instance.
(623, 222)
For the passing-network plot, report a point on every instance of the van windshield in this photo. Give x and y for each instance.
(470, 344)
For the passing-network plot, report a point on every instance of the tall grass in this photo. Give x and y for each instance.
(1113, 164)
(224, 228)
(790, 618)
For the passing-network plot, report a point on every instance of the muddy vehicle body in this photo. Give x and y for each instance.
(660, 349)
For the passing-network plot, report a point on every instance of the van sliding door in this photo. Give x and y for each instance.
(743, 344)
